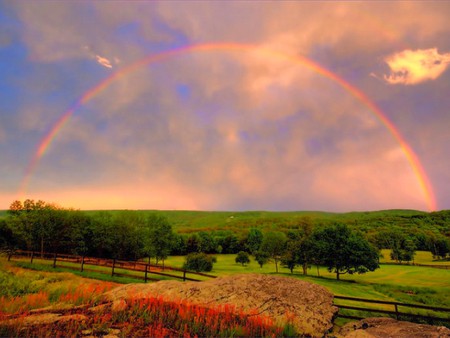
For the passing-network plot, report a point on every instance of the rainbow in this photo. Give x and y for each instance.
(412, 158)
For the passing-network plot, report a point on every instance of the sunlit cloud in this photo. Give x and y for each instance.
(411, 67)
(103, 61)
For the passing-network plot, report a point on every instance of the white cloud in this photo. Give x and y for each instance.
(103, 61)
(411, 67)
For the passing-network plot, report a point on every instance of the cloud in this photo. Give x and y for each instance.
(257, 131)
(411, 67)
(103, 61)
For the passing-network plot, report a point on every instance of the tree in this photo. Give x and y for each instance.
(198, 262)
(206, 243)
(242, 257)
(161, 236)
(42, 224)
(439, 247)
(128, 242)
(254, 240)
(289, 259)
(344, 251)
(274, 245)
(402, 247)
(9, 241)
(261, 257)
(299, 249)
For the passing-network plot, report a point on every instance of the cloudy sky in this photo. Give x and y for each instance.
(333, 106)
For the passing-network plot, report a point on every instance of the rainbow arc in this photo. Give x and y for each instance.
(58, 126)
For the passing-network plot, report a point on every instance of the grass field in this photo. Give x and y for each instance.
(421, 257)
(390, 282)
(402, 283)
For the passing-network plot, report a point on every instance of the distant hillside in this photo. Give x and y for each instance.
(412, 220)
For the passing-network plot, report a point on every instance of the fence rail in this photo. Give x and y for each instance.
(436, 266)
(145, 268)
(444, 316)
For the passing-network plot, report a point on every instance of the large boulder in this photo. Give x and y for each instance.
(310, 305)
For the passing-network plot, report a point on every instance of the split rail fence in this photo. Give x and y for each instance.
(139, 270)
(425, 314)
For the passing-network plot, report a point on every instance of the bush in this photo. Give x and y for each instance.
(199, 262)
(242, 257)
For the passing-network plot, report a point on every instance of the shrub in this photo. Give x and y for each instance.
(242, 257)
(199, 262)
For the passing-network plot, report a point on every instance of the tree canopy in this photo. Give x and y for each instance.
(344, 251)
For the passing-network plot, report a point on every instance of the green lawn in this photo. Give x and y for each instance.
(409, 284)
(404, 283)
(421, 257)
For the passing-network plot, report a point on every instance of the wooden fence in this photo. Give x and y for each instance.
(85, 264)
(438, 315)
(436, 266)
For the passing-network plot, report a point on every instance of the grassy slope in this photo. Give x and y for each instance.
(390, 282)
(192, 221)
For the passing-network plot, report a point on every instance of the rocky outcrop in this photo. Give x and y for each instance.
(387, 327)
(309, 305)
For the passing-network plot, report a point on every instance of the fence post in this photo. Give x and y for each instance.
(32, 256)
(114, 264)
(54, 261)
(396, 311)
(145, 279)
(184, 275)
(82, 263)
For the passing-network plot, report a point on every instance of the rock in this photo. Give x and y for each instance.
(380, 327)
(46, 318)
(309, 305)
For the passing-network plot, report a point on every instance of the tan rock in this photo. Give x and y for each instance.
(310, 305)
(380, 327)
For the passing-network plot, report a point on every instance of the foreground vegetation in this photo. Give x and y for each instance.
(23, 291)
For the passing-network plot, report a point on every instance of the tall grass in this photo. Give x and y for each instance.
(156, 317)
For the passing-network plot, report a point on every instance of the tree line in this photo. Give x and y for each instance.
(130, 235)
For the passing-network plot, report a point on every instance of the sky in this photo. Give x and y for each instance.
(198, 105)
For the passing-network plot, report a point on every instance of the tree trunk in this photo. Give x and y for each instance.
(276, 265)
(337, 274)
(318, 274)
(305, 268)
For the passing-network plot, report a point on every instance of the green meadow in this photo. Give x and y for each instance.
(404, 283)
(390, 282)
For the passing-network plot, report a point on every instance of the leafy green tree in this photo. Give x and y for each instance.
(343, 251)
(193, 243)
(179, 245)
(439, 247)
(274, 245)
(289, 259)
(254, 240)
(299, 249)
(261, 257)
(128, 242)
(161, 237)
(9, 241)
(207, 243)
(402, 247)
(229, 243)
(103, 234)
(199, 261)
(42, 224)
(242, 258)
